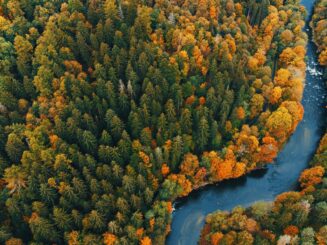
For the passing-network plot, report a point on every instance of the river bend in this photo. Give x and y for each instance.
(281, 176)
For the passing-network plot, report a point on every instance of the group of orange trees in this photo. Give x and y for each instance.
(294, 217)
(111, 109)
(319, 26)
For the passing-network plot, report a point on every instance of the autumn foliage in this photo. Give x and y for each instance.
(311, 176)
(110, 110)
(292, 217)
(146, 241)
(109, 239)
(318, 24)
(291, 230)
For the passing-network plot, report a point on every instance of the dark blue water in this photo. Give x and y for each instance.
(281, 176)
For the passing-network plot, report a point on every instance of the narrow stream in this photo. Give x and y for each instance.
(281, 176)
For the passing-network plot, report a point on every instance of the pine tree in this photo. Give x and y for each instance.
(203, 133)
(177, 151)
(88, 142)
(24, 50)
(94, 221)
(105, 138)
(15, 177)
(43, 229)
(62, 219)
(14, 147)
(170, 111)
(186, 121)
(116, 127)
(48, 194)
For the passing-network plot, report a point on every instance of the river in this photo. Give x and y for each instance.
(281, 176)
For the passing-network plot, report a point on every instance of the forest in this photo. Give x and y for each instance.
(111, 109)
(295, 217)
(319, 26)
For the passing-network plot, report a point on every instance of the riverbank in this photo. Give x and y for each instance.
(319, 25)
(282, 176)
(293, 217)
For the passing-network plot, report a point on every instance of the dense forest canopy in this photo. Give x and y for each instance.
(294, 217)
(319, 26)
(110, 110)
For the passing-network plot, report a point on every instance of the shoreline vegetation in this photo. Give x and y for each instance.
(245, 153)
(319, 27)
(110, 110)
(295, 217)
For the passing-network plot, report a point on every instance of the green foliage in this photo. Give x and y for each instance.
(100, 101)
